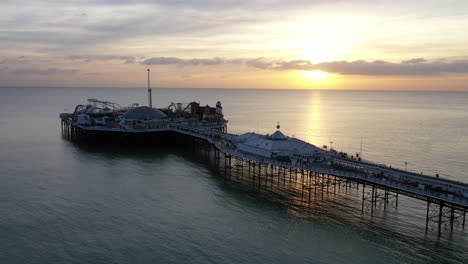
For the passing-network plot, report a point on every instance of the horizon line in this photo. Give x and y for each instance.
(231, 88)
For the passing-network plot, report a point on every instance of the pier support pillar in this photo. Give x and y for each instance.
(452, 217)
(334, 184)
(396, 201)
(272, 172)
(439, 223)
(463, 223)
(253, 173)
(242, 168)
(284, 175)
(372, 199)
(259, 174)
(427, 214)
(225, 165)
(363, 192)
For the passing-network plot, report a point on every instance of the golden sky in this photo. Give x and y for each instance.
(303, 44)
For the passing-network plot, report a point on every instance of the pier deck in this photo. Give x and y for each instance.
(447, 200)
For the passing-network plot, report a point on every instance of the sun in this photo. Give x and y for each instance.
(315, 75)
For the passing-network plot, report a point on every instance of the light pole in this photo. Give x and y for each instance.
(150, 103)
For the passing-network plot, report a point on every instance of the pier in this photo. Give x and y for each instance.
(323, 171)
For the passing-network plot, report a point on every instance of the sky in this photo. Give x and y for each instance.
(295, 44)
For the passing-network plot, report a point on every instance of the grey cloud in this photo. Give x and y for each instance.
(33, 28)
(125, 59)
(199, 4)
(163, 61)
(50, 71)
(213, 61)
(260, 63)
(186, 62)
(417, 66)
(415, 60)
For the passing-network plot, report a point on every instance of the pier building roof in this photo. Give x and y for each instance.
(144, 113)
(291, 145)
(278, 136)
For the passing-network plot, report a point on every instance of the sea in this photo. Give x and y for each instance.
(62, 202)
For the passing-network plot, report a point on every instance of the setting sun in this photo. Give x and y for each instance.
(315, 75)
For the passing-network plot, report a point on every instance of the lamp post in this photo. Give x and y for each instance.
(150, 103)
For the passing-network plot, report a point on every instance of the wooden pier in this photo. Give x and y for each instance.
(381, 187)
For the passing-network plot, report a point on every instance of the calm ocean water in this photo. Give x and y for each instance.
(64, 203)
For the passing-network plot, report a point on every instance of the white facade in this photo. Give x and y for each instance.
(219, 108)
(280, 146)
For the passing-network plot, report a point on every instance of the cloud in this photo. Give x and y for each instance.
(414, 61)
(414, 67)
(186, 62)
(163, 61)
(125, 59)
(417, 66)
(50, 71)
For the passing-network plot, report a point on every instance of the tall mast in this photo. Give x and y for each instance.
(360, 153)
(150, 103)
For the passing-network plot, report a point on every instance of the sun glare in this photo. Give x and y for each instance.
(315, 75)
(324, 48)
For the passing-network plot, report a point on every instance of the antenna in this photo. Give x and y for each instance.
(150, 103)
(360, 153)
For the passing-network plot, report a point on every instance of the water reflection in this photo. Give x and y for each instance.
(314, 125)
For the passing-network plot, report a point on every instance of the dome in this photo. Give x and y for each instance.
(144, 113)
(278, 136)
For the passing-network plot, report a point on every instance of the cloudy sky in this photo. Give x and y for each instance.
(301, 44)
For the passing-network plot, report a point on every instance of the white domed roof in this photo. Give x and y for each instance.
(278, 136)
(144, 113)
